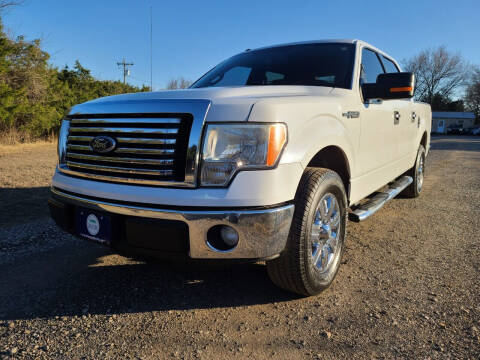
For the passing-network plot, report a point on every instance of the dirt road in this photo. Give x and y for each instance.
(409, 286)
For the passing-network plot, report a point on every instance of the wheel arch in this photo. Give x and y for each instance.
(334, 158)
(424, 140)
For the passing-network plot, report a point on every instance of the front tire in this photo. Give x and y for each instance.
(417, 173)
(315, 244)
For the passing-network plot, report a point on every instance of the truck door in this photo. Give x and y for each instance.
(378, 145)
(406, 124)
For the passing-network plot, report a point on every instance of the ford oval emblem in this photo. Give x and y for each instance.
(103, 144)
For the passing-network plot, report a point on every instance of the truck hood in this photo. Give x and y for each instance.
(226, 103)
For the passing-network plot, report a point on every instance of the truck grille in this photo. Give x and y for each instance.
(150, 149)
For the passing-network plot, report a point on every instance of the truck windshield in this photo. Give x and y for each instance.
(322, 64)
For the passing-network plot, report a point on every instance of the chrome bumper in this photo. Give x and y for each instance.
(262, 233)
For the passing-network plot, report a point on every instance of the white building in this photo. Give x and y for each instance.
(441, 120)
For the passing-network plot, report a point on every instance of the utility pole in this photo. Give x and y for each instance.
(126, 71)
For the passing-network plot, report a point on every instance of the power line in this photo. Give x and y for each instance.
(126, 71)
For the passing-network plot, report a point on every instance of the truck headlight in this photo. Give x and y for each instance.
(62, 142)
(229, 148)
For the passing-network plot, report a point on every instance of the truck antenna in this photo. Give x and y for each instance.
(151, 49)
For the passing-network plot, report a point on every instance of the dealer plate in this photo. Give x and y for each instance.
(93, 225)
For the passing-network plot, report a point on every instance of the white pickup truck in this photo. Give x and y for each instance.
(265, 157)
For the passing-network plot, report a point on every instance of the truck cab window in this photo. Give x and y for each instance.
(371, 67)
(232, 76)
(273, 78)
(317, 64)
(390, 66)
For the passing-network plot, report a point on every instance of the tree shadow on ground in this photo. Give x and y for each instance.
(459, 143)
(20, 205)
(73, 280)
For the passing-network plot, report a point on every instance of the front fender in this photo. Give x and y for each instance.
(313, 124)
(317, 134)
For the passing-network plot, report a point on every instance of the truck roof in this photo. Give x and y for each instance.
(346, 41)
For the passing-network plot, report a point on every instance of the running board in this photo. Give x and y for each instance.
(367, 209)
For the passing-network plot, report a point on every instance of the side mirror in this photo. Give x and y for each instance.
(391, 86)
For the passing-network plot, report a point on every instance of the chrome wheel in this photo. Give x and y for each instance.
(420, 170)
(325, 234)
(316, 241)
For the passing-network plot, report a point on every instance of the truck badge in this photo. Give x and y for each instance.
(351, 114)
(103, 144)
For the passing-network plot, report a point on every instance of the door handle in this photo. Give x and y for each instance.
(396, 118)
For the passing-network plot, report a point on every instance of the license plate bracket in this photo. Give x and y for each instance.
(93, 225)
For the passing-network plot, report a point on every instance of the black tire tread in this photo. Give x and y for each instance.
(288, 271)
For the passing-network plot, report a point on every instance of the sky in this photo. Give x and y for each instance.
(190, 37)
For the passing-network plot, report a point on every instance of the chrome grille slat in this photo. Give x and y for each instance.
(107, 130)
(145, 150)
(120, 179)
(79, 148)
(126, 150)
(127, 121)
(80, 138)
(126, 140)
(119, 169)
(146, 141)
(140, 161)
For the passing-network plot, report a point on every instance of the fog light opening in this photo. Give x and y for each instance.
(222, 238)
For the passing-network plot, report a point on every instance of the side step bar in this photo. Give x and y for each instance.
(374, 204)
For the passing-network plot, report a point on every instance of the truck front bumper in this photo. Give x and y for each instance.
(262, 232)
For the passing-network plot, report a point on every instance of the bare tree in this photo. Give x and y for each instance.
(5, 3)
(472, 97)
(180, 83)
(437, 72)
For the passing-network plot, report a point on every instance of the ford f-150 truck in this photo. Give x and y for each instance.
(264, 158)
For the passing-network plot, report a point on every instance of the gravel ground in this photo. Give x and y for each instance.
(409, 285)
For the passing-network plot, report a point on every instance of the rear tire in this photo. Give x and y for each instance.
(315, 243)
(417, 173)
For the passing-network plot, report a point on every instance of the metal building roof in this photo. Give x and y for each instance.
(453, 115)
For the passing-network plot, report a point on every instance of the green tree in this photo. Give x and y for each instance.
(34, 95)
(443, 103)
